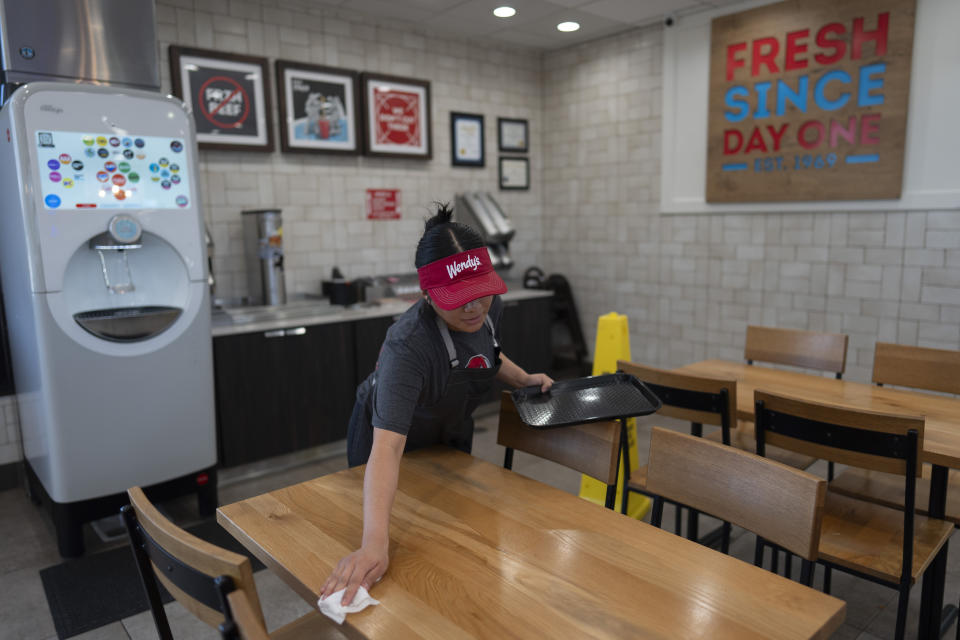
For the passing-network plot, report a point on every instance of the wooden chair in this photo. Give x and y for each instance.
(918, 368)
(796, 348)
(781, 505)
(199, 575)
(807, 349)
(591, 449)
(889, 546)
(700, 400)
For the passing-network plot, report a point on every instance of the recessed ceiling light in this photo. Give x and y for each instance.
(504, 12)
(568, 26)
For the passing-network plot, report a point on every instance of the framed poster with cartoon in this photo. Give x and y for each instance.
(318, 108)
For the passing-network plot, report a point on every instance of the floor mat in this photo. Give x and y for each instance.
(95, 590)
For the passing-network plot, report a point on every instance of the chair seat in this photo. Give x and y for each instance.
(887, 489)
(743, 438)
(313, 625)
(868, 538)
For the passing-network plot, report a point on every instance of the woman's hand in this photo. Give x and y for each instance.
(363, 567)
(541, 379)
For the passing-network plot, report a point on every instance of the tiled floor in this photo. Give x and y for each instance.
(27, 545)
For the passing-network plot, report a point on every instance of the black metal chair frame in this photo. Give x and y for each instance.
(839, 376)
(611, 497)
(887, 445)
(694, 401)
(210, 591)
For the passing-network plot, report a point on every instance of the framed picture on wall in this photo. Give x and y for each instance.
(228, 94)
(514, 173)
(512, 134)
(396, 116)
(318, 108)
(466, 139)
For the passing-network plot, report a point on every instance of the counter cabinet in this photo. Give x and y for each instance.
(283, 390)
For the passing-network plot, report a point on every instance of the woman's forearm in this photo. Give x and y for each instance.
(380, 486)
(511, 373)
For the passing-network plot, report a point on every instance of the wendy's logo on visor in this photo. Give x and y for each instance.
(478, 362)
(472, 262)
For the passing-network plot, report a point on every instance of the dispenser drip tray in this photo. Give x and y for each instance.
(128, 324)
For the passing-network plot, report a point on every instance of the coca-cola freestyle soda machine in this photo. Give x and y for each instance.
(107, 304)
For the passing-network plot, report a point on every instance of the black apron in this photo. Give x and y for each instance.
(448, 421)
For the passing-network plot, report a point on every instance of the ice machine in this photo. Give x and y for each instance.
(103, 269)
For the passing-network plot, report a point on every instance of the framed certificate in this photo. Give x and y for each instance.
(396, 116)
(466, 139)
(514, 173)
(228, 96)
(512, 134)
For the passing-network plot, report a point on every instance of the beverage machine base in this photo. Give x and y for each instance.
(69, 517)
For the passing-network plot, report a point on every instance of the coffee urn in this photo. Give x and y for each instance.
(263, 247)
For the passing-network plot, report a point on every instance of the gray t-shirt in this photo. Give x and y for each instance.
(413, 365)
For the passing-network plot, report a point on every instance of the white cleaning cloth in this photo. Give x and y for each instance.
(331, 607)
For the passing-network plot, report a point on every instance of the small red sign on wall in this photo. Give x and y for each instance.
(383, 204)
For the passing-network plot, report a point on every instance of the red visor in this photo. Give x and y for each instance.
(456, 280)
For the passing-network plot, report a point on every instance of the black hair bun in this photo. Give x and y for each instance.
(443, 215)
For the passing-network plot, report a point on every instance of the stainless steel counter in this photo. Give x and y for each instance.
(239, 320)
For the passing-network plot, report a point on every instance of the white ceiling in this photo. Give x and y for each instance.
(535, 24)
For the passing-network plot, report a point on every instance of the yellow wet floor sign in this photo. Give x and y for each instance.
(613, 343)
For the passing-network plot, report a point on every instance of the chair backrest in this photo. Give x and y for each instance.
(917, 367)
(781, 504)
(698, 399)
(808, 349)
(588, 448)
(855, 437)
(246, 625)
(191, 569)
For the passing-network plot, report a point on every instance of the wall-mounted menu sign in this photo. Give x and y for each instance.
(808, 101)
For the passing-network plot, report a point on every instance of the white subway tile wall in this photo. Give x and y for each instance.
(322, 196)
(9, 430)
(690, 284)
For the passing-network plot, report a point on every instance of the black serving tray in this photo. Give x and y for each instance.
(607, 397)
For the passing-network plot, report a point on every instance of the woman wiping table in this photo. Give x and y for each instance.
(436, 365)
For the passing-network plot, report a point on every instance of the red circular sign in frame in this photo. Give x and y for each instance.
(234, 88)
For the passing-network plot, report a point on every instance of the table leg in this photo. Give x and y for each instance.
(931, 600)
(625, 458)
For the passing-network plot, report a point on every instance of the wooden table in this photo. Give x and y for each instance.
(941, 437)
(479, 551)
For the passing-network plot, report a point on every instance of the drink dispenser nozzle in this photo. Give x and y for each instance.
(123, 233)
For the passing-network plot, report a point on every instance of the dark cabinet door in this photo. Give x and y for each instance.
(319, 380)
(525, 334)
(282, 390)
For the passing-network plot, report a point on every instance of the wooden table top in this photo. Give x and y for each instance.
(941, 438)
(481, 552)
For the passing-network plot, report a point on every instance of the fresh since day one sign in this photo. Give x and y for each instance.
(808, 101)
